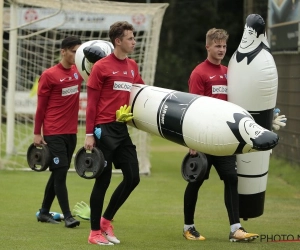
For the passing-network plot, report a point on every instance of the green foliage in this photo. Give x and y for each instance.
(152, 217)
(182, 38)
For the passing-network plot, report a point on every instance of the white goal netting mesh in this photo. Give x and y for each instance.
(32, 33)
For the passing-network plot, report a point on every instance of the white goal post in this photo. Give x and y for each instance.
(32, 33)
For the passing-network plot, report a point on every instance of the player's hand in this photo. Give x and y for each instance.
(89, 142)
(38, 140)
(193, 152)
(123, 114)
(278, 120)
(82, 210)
(98, 132)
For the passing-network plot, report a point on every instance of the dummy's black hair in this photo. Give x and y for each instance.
(257, 23)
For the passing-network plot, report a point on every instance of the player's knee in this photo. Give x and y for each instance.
(102, 183)
(135, 182)
(135, 178)
(131, 174)
(231, 178)
(61, 172)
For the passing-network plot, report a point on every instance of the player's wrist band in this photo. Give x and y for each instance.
(89, 134)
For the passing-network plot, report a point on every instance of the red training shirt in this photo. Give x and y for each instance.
(208, 79)
(109, 86)
(58, 101)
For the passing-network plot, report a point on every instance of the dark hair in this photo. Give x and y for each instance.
(117, 30)
(257, 23)
(69, 42)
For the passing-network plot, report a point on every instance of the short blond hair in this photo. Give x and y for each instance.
(216, 35)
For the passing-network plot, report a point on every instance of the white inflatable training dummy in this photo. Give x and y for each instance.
(206, 124)
(252, 84)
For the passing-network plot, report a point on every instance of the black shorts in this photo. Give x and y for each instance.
(61, 148)
(116, 144)
(224, 165)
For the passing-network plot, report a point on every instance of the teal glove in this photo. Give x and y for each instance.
(123, 114)
(82, 210)
(98, 132)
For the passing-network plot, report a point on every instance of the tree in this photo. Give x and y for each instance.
(182, 40)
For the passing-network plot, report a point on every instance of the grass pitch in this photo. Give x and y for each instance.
(152, 217)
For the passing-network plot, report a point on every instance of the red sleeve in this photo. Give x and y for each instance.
(91, 109)
(44, 87)
(196, 84)
(40, 114)
(138, 78)
(95, 79)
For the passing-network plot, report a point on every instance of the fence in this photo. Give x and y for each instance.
(288, 100)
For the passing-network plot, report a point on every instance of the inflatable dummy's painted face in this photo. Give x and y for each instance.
(250, 135)
(250, 131)
(254, 39)
(249, 40)
(254, 34)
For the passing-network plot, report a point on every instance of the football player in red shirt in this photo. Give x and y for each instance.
(56, 122)
(108, 88)
(209, 78)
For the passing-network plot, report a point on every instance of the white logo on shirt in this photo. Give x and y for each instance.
(219, 89)
(123, 86)
(66, 78)
(69, 91)
(211, 77)
(115, 72)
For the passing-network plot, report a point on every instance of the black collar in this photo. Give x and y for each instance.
(251, 55)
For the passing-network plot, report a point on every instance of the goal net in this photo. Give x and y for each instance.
(32, 33)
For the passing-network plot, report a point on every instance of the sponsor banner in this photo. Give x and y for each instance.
(26, 104)
(43, 18)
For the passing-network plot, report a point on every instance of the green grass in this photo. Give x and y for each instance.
(152, 217)
(23, 138)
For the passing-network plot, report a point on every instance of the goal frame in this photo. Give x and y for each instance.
(147, 66)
